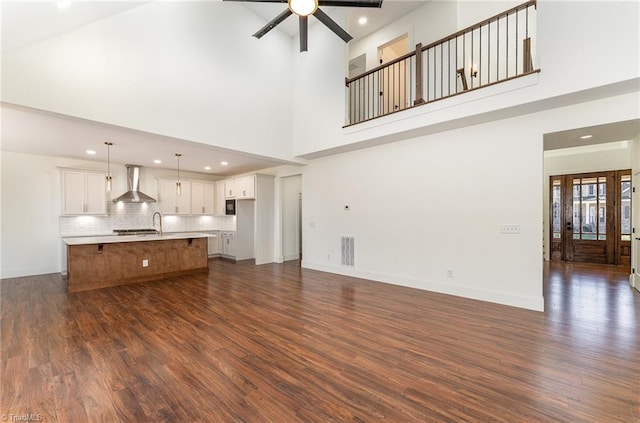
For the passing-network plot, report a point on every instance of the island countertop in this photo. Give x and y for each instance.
(110, 239)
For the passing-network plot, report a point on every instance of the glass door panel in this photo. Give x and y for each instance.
(625, 201)
(556, 204)
(590, 208)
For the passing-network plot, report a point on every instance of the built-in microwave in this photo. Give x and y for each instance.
(230, 208)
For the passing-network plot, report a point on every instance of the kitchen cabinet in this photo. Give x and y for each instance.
(246, 187)
(171, 203)
(241, 188)
(228, 244)
(230, 189)
(83, 192)
(214, 247)
(202, 197)
(219, 203)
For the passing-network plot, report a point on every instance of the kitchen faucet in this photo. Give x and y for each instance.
(154, 221)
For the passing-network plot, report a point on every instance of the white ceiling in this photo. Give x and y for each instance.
(36, 132)
(26, 22)
(612, 132)
(30, 131)
(376, 17)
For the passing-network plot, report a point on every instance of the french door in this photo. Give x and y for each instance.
(590, 217)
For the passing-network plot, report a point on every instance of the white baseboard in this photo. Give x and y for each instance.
(288, 257)
(530, 303)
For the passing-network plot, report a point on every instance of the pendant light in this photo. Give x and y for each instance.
(178, 184)
(108, 177)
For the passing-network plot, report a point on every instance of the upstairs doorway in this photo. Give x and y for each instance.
(590, 217)
(394, 81)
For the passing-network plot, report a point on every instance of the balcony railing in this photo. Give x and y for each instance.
(495, 50)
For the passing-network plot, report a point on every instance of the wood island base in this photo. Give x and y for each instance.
(94, 266)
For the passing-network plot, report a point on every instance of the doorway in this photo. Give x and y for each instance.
(392, 80)
(291, 218)
(590, 217)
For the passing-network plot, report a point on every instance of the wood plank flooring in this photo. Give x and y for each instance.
(276, 343)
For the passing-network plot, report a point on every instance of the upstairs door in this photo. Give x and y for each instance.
(590, 217)
(393, 80)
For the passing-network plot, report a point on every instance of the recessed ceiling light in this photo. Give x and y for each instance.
(91, 152)
(362, 20)
(224, 163)
(64, 4)
(156, 161)
(207, 168)
(586, 137)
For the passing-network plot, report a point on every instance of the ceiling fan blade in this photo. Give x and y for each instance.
(332, 25)
(350, 3)
(304, 22)
(275, 21)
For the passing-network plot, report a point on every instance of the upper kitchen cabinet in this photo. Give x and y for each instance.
(230, 190)
(241, 188)
(83, 192)
(246, 187)
(202, 197)
(169, 201)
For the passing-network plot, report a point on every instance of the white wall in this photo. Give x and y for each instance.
(29, 226)
(318, 87)
(613, 156)
(264, 219)
(635, 215)
(188, 70)
(414, 25)
(423, 206)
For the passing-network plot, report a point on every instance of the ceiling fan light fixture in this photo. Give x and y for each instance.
(303, 7)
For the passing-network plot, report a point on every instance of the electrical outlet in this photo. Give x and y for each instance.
(510, 229)
(449, 273)
(145, 263)
(328, 257)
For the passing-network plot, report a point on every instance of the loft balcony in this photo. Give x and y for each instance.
(490, 52)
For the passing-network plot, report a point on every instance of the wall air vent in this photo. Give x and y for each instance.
(348, 251)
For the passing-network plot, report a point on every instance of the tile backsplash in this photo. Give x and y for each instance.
(139, 216)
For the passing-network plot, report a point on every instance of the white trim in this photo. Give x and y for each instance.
(31, 271)
(531, 303)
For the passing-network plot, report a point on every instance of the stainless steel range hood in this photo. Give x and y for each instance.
(134, 195)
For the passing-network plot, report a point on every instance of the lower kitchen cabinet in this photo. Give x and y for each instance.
(214, 247)
(228, 244)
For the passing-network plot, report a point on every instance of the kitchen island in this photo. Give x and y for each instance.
(104, 261)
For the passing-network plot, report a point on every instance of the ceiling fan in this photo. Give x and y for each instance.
(304, 8)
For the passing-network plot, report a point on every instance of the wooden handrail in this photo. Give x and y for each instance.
(445, 39)
(433, 72)
(480, 24)
(376, 69)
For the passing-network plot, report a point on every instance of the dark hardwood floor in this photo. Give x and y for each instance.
(276, 343)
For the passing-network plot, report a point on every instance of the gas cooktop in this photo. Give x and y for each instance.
(135, 231)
